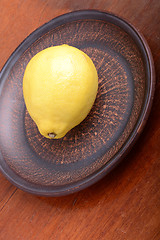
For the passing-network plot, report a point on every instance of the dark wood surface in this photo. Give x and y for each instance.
(126, 203)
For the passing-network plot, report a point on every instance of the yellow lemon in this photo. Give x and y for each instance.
(59, 85)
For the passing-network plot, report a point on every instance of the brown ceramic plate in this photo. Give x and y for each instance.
(89, 151)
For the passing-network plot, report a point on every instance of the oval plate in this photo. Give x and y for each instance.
(90, 150)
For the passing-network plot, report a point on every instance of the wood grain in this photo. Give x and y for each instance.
(125, 204)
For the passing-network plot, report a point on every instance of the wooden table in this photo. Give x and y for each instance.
(126, 203)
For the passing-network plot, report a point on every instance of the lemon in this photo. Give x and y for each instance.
(59, 86)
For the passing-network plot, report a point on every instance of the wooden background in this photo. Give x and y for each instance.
(125, 205)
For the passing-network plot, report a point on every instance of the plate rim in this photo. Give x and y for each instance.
(136, 131)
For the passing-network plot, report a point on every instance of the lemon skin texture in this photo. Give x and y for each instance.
(60, 84)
